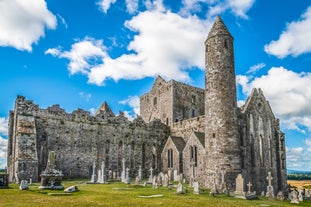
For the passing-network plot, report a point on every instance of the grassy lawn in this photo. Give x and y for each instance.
(107, 195)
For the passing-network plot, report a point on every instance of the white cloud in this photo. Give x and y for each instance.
(3, 152)
(63, 21)
(166, 44)
(82, 56)
(104, 5)
(255, 68)
(22, 23)
(238, 7)
(134, 102)
(3, 126)
(296, 158)
(308, 143)
(288, 92)
(294, 40)
(92, 111)
(131, 6)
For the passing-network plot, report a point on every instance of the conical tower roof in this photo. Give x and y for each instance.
(218, 28)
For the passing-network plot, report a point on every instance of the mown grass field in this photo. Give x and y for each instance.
(106, 195)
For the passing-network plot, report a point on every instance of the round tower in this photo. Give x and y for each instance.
(221, 138)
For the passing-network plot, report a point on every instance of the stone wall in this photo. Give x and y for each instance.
(186, 127)
(79, 139)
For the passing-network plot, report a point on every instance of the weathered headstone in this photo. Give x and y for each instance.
(127, 175)
(137, 180)
(175, 175)
(24, 185)
(196, 187)
(239, 185)
(154, 182)
(93, 174)
(300, 197)
(140, 172)
(280, 196)
(169, 173)
(270, 191)
(110, 175)
(165, 180)
(123, 171)
(151, 175)
(294, 197)
(179, 189)
(71, 189)
(308, 193)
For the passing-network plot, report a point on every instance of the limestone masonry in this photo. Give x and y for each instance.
(201, 133)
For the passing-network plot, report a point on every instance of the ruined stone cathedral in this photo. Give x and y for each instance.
(193, 131)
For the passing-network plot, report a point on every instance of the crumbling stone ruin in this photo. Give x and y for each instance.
(208, 127)
(201, 133)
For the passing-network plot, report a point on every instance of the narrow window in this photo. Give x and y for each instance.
(155, 101)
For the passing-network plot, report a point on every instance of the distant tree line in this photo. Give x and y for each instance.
(298, 176)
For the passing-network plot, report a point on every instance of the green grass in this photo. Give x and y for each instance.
(105, 195)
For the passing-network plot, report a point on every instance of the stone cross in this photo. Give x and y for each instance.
(249, 186)
(123, 170)
(269, 178)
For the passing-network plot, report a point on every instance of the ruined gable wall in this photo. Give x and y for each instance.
(199, 169)
(261, 146)
(157, 103)
(79, 139)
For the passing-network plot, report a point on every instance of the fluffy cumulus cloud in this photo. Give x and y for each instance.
(297, 157)
(134, 103)
(294, 40)
(3, 126)
(23, 22)
(289, 94)
(3, 150)
(165, 44)
(82, 56)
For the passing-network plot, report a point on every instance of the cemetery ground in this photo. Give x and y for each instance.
(120, 194)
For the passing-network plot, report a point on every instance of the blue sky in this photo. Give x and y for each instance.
(81, 53)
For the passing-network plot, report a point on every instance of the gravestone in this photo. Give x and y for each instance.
(165, 181)
(270, 192)
(196, 187)
(239, 185)
(159, 180)
(137, 180)
(114, 175)
(169, 173)
(127, 176)
(24, 185)
(110, 175)
(280, 196)
(101, 174)
(154, 182)
(175, 175)
(123, 171)
(249, 187)
(71, 189)
(300, 197)
(294, 197)
(151, 175)
(140, 172)
(4, 181)
(51, 178)
(308, 193)
(93, 174)
(179, 189)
